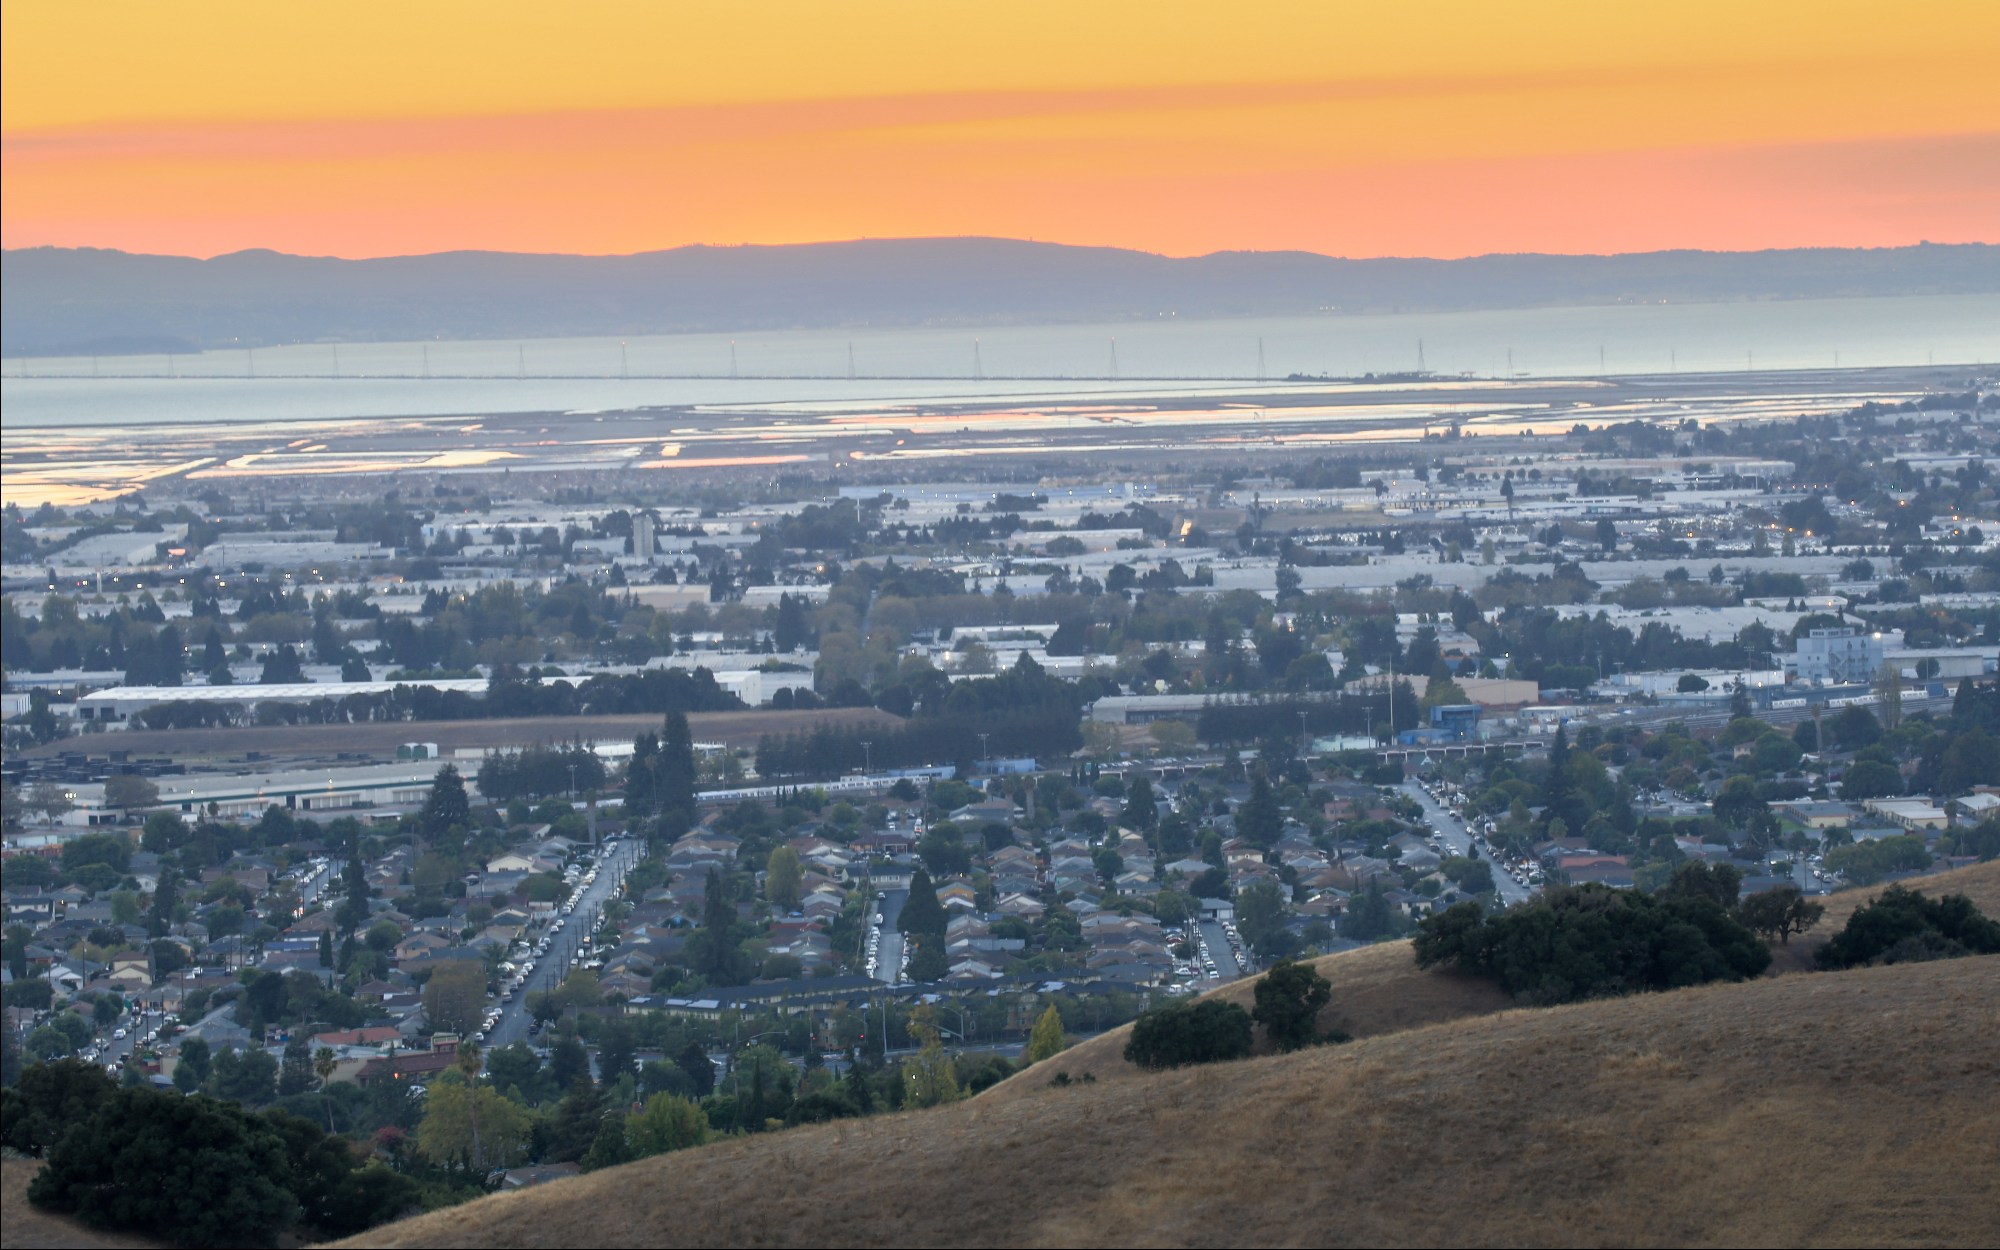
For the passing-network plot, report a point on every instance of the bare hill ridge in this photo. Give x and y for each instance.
(1853, 1108)
(1376, 990)
(1379, 989)
(56, 301)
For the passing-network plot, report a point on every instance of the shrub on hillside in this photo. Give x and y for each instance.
(1590, 941)
(192, 1170)
(46, 1099)
(1176, 1034)
(1289, 998)
(1903, 926)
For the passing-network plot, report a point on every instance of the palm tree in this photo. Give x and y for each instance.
(325, 1064)
(469, 1062)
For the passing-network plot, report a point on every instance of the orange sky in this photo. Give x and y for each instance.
(1444, 129)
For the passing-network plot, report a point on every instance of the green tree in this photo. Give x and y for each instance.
(676, 771)
(1972, 759)
(46, 1099)
(928, 963)
(1047, 1038)
(455, 996)
(714, 952)
(1903, 926)
(467, 1060)
(1870, 779)
(446, 805)
(130, 791)
(1718, 883)
(489, 1131)
(1142, 810)
(1260, 819)
(667, 1123)
(1587, 941)
(922, 913)
(325, 1063)
(929, 1077)
(610, 1147)
(192, 1069)
(783, 875)
(1175, 1034)
(246, 1076)
(1370, 915)
(617, 1052)
(573, 1128)
(212, 1174)
(700, 1070)
(295, 1075)
(1289, 999)
(1780, 912)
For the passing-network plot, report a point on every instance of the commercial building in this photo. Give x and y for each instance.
(1838, 656)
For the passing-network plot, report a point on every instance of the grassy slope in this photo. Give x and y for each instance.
(22, 1227)
(1827, 1110)
(1980, 883)
(1379, 990)
(1376, 990)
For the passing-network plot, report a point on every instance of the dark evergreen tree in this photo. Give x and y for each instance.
(1556, 784)
(694, 1061)
(1142, 810)
(792, 630)
(677, 771)
(1260, 819)
(574, 1127)
(922, 913)
(354, 909)
(446, 804)
(296, 1075)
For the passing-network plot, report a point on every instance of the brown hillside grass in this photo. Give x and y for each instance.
(22, 1227)
(1849, 1109)
(1980, 883)
(1376, 990)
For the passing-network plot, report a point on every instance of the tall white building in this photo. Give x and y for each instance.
(642, 537)
(1839, 655)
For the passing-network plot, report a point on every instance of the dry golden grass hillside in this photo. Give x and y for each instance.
(1980, 883)
(1847, 1109)
(1379, 989)
(1376, 990)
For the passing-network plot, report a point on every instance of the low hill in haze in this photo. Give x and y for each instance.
(82, 301)
(1379, 989)
(1850, 1108)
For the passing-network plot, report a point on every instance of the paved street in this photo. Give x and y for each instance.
(551, 968)
(1459, 842)
(889, 955)
(1217, 939)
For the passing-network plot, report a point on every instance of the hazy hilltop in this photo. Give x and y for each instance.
(79, 300)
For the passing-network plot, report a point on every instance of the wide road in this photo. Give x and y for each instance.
(551, 968)
(1455, 838)
(889, 953)
(1217, 940)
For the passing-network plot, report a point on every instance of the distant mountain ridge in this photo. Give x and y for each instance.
(82, 300)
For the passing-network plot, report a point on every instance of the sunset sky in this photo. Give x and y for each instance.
(1445, 129)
